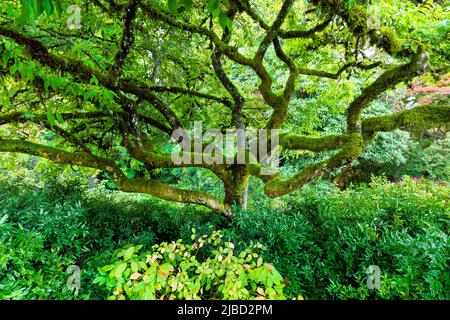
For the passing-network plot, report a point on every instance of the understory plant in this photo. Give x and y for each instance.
(209, 268)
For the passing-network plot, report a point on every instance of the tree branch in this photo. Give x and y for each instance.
(229, 51)
(166, 192)
(387, 80)
(152, 187)
(84, 73)
(189, 92)
(127, 37)
(244, 5)
(425, 117)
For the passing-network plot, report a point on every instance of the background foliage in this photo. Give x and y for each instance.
(321, 239)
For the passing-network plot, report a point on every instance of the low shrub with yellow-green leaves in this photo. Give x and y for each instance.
(209, 268)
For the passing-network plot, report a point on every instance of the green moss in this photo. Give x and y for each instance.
(422, 117)
(389, 40)
(357, 20)
(316, 144)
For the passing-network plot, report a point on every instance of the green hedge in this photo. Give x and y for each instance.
(320, 239)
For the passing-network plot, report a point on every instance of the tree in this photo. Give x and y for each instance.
(137, 70)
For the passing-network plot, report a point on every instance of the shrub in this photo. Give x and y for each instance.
(322, 240)
(208, 269)
(27, 270)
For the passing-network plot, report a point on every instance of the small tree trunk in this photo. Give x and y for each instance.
(236, 187)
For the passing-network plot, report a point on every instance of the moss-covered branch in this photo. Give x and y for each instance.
(84, 159)
(423, 117)
(350, 150)
(60, 156)
(387, 80)
(84, 73)
(244, 6)
(166, 192)
(316, 144)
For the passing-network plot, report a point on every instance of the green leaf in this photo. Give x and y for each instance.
(59, 117)
(225, 21)
(134, 266)
(111, 185)
(94, 80)
(128, 253)
(46, 83)
(216, 12)
(173, 6)
(166, 268)
(28, 116)
(48, 6)
(10, 11)
(213, 5)
(39, 7)
(5, 57)
(54, 83)
(229, 24)
(187, 4)
(119, 270)
(50, 116)
(27, 13)
(350, 4)
(58, 7)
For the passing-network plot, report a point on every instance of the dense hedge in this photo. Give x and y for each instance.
(321, 239)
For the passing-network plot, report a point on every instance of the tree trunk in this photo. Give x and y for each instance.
(236, 187)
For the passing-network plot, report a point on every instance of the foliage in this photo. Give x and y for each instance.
(28, 270)
(178, 271)
(322, 240)
(352, 85)
(101, 94)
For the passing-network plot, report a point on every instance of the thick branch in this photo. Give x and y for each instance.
(127, 37)
(297, 142)
(350, 150)
(166, 192)
(425, 117)
(61, 156)
(193, 93)
(84, 73)
(387, 80)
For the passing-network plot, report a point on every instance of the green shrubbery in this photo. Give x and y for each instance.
(321, 240)
(29, 270)
(208, 268)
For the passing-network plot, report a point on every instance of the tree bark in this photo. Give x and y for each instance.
(236, 186)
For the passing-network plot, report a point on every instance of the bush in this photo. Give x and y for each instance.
(208, 269)
(322, 240)
(27, 269)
